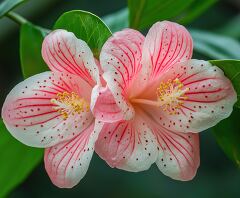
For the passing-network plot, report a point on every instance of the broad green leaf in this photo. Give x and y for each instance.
(195, 10)
(117, 21)
(215, 46)
(85, 26)
(17, 161)
(227, 134)
(8, 5)
(31, 38)
(143, 13)
(231, 69)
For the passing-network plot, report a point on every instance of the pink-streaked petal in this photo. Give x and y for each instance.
(127, 145)
(31, 117)
(210, 99)
(120, 59)
(104, 106)
(165, 44)
(178, 154)
(67, 163)
(64, 52)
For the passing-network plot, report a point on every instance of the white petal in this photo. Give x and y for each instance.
(68, 162)
(31, 117)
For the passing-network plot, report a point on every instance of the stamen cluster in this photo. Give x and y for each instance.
(70, 103)
(171, 95)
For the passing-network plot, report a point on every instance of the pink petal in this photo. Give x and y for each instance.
(120, 59)
(210, 99)
(64, 52)
(166, 44)
(67, 163)
(104, 107)
(31, 117)
(178, 154)
(127, 145)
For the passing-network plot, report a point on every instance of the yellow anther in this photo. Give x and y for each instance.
(70, 104)
(171, 95)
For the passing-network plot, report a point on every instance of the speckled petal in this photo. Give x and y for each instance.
(120, 60)
(31, 117)
(127, 145)
(67, 163)
(210, 97)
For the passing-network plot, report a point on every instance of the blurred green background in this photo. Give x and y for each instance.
(217, 175)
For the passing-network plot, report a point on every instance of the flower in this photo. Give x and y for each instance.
(161, 100)
(52, 109)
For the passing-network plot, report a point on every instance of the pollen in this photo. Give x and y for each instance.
(70, 104)
(171, 95)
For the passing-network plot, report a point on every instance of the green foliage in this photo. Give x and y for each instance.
(85, 26)
(31, 38)
(17, 161)
(143, 13)
(215, 46)
(227, 134)
(231, 69)
(195, 10)
(8, 5)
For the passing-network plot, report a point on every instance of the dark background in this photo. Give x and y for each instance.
(217, 175)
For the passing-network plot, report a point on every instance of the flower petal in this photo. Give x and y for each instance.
(104, 106)
(64, 52)
(210, 99)
(165, 44)
(67, 163)
(127, 145)
(31, 117)
(178, 154)
(120, 59)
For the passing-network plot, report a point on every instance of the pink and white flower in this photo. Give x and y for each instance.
(162, 99)
(52, 110)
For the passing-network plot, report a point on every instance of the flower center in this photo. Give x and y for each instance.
(170, 96)
(70, 104)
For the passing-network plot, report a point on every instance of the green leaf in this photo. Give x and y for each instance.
(227, 134)
(231, 69)
(85, 26)
(31, 38)
(143, 13)
(8, 5)
(215, 46)
(17, 161)
(195, 10)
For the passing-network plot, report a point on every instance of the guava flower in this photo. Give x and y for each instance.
(162, 99)
(52, 109)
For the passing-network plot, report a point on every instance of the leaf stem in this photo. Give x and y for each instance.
(16, 17)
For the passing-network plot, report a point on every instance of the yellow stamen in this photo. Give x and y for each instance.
(70, 104)
(171, 95)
